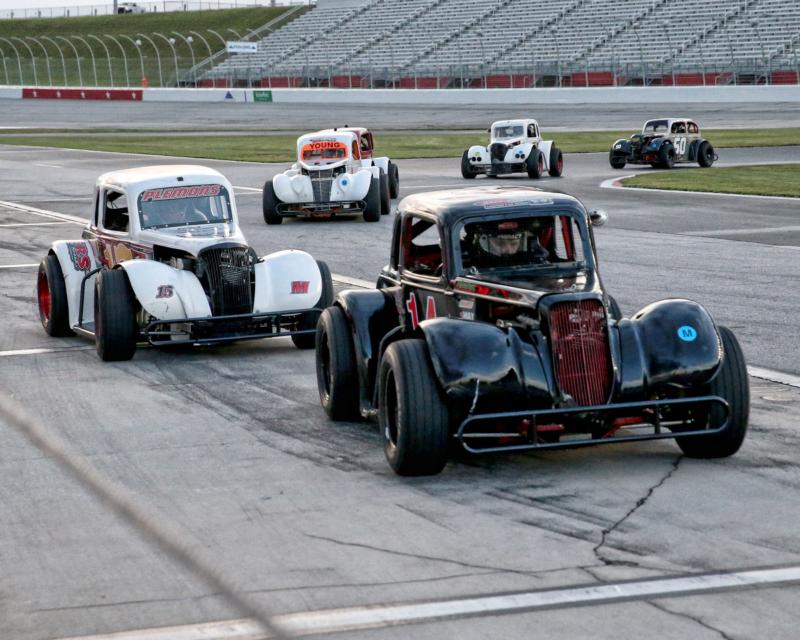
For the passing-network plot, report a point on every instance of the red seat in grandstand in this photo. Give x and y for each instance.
(785, 77)
(592, 79)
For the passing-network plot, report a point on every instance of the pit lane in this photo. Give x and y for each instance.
(231, 443)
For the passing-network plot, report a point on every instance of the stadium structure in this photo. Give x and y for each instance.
(522, 43)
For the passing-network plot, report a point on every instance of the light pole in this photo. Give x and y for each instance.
(558, 57)
(94, 64)
(77, 58)
(137, 44)
(641, 55)
(5, 68)
(702, 58)
(667, 27)
(188, 42)
(480, 35)
(767, 61)
(33, 59)
(224, 47)
(158, 58)
(208, 46)
(171, 43)
(733, 60)
(19, 64)
(46, 58)
(61, 53)
(236, 33)
(124, 58)
(108, 57)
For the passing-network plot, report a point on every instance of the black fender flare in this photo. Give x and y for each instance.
(371, 314)
(673, 341)
(481, 366)
(623, 149)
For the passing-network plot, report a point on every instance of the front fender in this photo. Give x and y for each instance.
(166, 293)
(668, 342)
(518, 153)
(287, 280)
(349, 187)
(483, 366)
(621, 147)
(293, 187)
(477, 151)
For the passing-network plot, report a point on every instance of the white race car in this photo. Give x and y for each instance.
(329, 178)
(163, 261)
(515, 146)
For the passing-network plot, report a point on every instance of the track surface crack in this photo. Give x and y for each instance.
(695, 619)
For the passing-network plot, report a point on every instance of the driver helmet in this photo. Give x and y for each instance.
(175, 211)
(509, 240)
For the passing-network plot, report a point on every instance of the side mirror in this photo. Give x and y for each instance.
(598, 217)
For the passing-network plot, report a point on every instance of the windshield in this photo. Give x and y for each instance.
(182, 206)
(508, 131)
(323, 151)
(528, 243)
(656, 126)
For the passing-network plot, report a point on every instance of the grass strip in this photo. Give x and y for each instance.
(760, 180)
(280, 148)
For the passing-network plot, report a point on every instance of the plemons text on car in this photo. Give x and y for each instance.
(515, 146)
(163, 260)
(491, 327)
(336, 173)
(663, 143)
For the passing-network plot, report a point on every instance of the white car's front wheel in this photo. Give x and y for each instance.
(115, 330)
(269, 204)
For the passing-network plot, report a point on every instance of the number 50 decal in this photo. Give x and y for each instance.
(680, 146)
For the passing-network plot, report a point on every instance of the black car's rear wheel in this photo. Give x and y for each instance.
(412, 412)
(337, 376)
(731, 385)
(51, 295)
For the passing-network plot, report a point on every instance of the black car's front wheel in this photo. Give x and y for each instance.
(705, 154)
(730, 383)
(616, 161)
(412, 412)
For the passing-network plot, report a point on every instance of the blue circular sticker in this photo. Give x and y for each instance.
(344, 182)
(687, 333)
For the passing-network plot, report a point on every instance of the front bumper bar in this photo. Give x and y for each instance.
(655, 424)
(320, 209)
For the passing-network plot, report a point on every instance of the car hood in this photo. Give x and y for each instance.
(194, 238)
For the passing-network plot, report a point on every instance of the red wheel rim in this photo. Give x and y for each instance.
(559, 163)
(43, 295)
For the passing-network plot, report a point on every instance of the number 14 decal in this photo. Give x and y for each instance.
(430, 310)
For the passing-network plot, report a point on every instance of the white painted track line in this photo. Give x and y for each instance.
(43, 212)
(775, 376)
(19, 266)
(42, 350)
(33, 224)
(356, 282)
(378, 616)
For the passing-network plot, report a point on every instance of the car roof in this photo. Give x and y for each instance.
(161, 175)
(353, 130)
(506, 123)
(451, 205)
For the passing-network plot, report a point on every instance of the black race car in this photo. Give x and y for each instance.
(663, 143)
(491, 327)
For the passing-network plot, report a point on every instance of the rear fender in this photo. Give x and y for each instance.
(287, 280)
(668, 342)
(77, 258)
(371, 315)
(482, 366)
(166, 293)
(293, 188)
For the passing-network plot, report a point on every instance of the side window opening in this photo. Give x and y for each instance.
(422, 251)
(115, 211)
(531, 131)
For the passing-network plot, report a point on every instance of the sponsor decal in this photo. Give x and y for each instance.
(324, 144)
(165, 291)
(300, 286)
(176, 193)
(430, 309)
(79, 255)
(467, 315)
(687, 333)
(260, 95)
(466, 303)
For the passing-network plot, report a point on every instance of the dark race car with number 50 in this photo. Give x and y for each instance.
(490, 327)
(662, 144)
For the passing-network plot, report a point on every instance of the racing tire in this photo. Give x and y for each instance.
(616, 161)
(372, 210)
(115, 330)
(337, 375)
(730, 383)
(705, 154)
(394, 180)
(666, 156)
(386, 201)
(556, 165)
(534, 164)
(467, 171)
(412, 412)
(308, 340)
(51, 295)
(269, 204)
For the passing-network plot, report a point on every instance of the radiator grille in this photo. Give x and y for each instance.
(579, 339)
(321, 182)
(229, 274)
(497, 150)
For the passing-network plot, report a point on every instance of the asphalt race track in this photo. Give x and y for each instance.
(230, 445)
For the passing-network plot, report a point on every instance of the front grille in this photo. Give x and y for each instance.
(579, 341)
(228, 274)
(497, 150)
(321, 182)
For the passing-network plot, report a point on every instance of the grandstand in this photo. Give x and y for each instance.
(523, 43)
